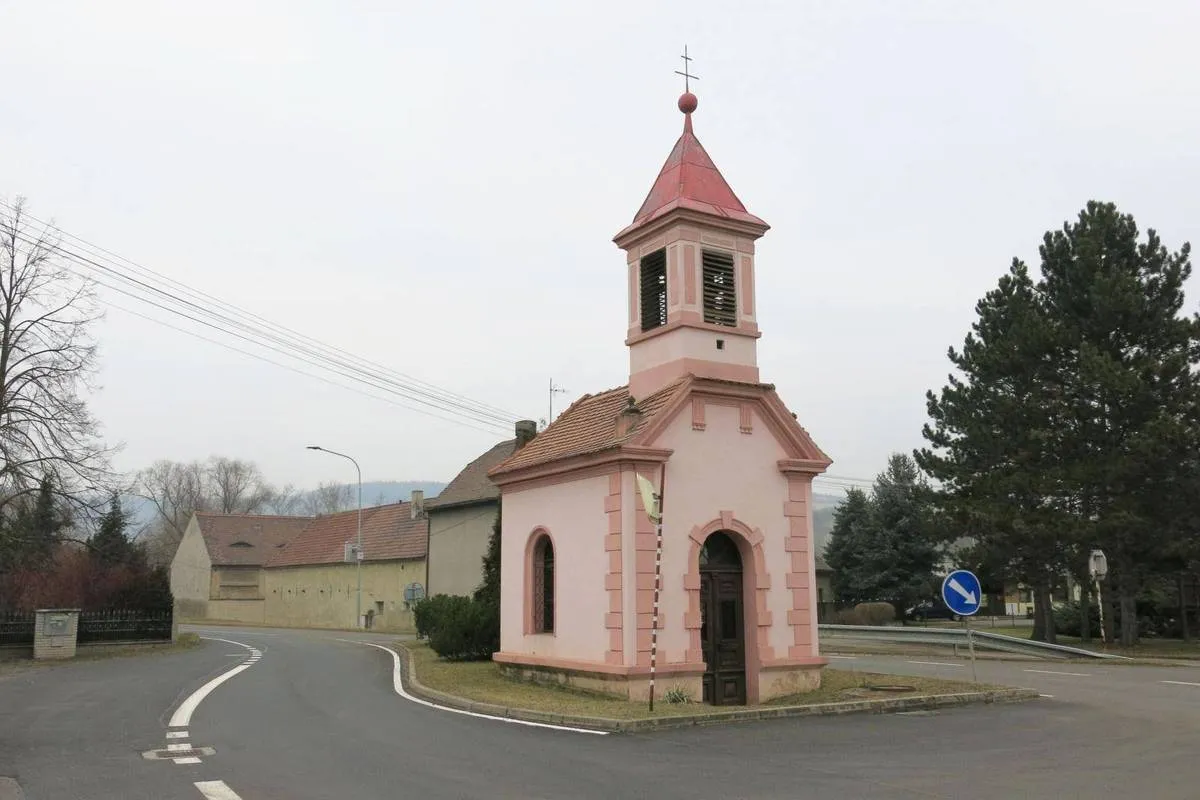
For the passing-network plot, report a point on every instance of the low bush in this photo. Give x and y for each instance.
(678, 695)
(429, 612)
(875, 613)
(1068, 619)
(847, 616)
(465, 629)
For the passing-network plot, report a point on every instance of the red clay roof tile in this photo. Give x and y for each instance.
(264, 535)
(473, 485)
(389, 532)
(589, 425)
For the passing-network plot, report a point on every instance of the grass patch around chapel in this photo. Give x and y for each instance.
(482, 681)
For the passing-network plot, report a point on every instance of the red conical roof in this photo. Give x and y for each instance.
(690, 180)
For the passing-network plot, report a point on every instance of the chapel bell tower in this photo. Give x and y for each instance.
(690, 255)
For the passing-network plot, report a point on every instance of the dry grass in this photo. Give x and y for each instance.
(482, 681)
(12, 663)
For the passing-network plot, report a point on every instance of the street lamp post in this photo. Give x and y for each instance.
(358, 548)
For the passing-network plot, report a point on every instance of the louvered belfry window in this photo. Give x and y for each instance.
(720, 299)
(654, 290)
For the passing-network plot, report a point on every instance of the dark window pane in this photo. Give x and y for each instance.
(720, 297)
(728, 619)
(653, 282)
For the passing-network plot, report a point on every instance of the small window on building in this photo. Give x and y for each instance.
(720, 298)
(543, 586)
(654, 290)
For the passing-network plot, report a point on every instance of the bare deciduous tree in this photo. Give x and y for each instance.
(177, 491)
(328, 498)
(237, 486)
(285, 500)
(47, 361)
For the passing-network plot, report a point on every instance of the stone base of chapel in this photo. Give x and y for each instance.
(633, 683)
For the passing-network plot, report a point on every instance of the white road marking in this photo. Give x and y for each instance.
(216, 790)
(177, 734)
(183, 715)
(188, 760)
(1181, 683)
(172, 748)
(936, 664)
(848, 658)
(1070, 674)
(1047, 695)
(398, 685)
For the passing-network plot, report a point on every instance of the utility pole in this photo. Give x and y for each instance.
(358, 548)
(652, 502)
(553, 391)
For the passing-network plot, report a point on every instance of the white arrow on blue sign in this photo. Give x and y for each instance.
(962, 592)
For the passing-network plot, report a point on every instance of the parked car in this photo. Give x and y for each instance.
(931, 609)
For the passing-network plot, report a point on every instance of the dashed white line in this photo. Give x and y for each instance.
(1069, 674)
(187, 760)
(398, 685)
(847, 658)
(177, 734)
(174, 748)
(936, 664)
(1181, 683)
(216, 790)
(183, 714)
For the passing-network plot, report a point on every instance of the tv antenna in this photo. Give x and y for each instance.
(553, 391)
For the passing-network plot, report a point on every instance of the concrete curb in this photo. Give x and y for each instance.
(887, 705)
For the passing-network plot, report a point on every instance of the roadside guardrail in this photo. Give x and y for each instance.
(952, 637)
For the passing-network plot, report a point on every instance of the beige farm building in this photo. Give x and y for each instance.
(291, 571)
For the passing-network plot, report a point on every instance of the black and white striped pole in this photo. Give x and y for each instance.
(653, 503)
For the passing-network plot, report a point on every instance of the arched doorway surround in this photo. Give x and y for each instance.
(755, 582)
(722, 621)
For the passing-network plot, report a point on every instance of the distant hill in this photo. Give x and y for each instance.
(378, 493)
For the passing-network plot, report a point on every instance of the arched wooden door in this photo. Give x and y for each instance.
(722, 634)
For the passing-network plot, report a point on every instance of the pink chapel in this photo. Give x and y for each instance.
(737, 606)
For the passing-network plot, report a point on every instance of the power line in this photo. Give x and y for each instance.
(280, 334)
(341, 367)
(291, 368)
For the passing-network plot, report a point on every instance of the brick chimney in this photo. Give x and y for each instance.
(417, 504)
(526, 430)
(629, 417)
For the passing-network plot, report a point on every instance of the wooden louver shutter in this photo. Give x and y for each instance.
(720, 299)
(654, 290)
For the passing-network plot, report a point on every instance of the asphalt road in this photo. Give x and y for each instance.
(318, 718)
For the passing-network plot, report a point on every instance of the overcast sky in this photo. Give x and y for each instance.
(435, 186)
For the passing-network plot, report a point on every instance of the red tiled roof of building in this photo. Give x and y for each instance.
(389, 533)
(246, 540)
(690, 180)
(472, 484)
(589, 425)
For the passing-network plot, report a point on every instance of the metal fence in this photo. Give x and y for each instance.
(124, 625)
(16, 628)
(957, 637)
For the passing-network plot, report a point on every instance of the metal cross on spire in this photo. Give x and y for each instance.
(687, 75)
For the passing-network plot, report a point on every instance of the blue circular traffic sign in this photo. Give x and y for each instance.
(962, 592)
